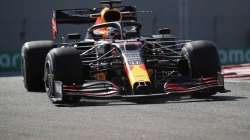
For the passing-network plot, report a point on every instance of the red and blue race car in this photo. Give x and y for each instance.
(115, 61)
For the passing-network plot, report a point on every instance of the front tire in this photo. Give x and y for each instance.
(202, 61)
(63, 65)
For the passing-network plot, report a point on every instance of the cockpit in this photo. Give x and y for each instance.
(114, 31)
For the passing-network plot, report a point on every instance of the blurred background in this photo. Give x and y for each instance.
(225, 22)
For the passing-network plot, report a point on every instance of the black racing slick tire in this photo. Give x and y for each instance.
(202, 61)
(33, 58)
(64, 65)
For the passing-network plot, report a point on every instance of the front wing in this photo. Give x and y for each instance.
(105, 90)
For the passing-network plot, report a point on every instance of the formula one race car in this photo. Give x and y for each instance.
(114, 61)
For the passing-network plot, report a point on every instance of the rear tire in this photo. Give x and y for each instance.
(33, 58)
(202, 61)
(64, 65)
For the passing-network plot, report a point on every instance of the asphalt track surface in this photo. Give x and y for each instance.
(30, 116)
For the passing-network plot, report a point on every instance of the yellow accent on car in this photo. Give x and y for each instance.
(138, 73)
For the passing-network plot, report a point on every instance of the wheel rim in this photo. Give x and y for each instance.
(48, 81)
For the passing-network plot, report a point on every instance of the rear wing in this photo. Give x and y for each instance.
(74, 16)
(86, 16)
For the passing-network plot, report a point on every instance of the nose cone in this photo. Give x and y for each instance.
(142, 87)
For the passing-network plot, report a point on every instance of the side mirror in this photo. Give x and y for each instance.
(164, 31)
(74, 36)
